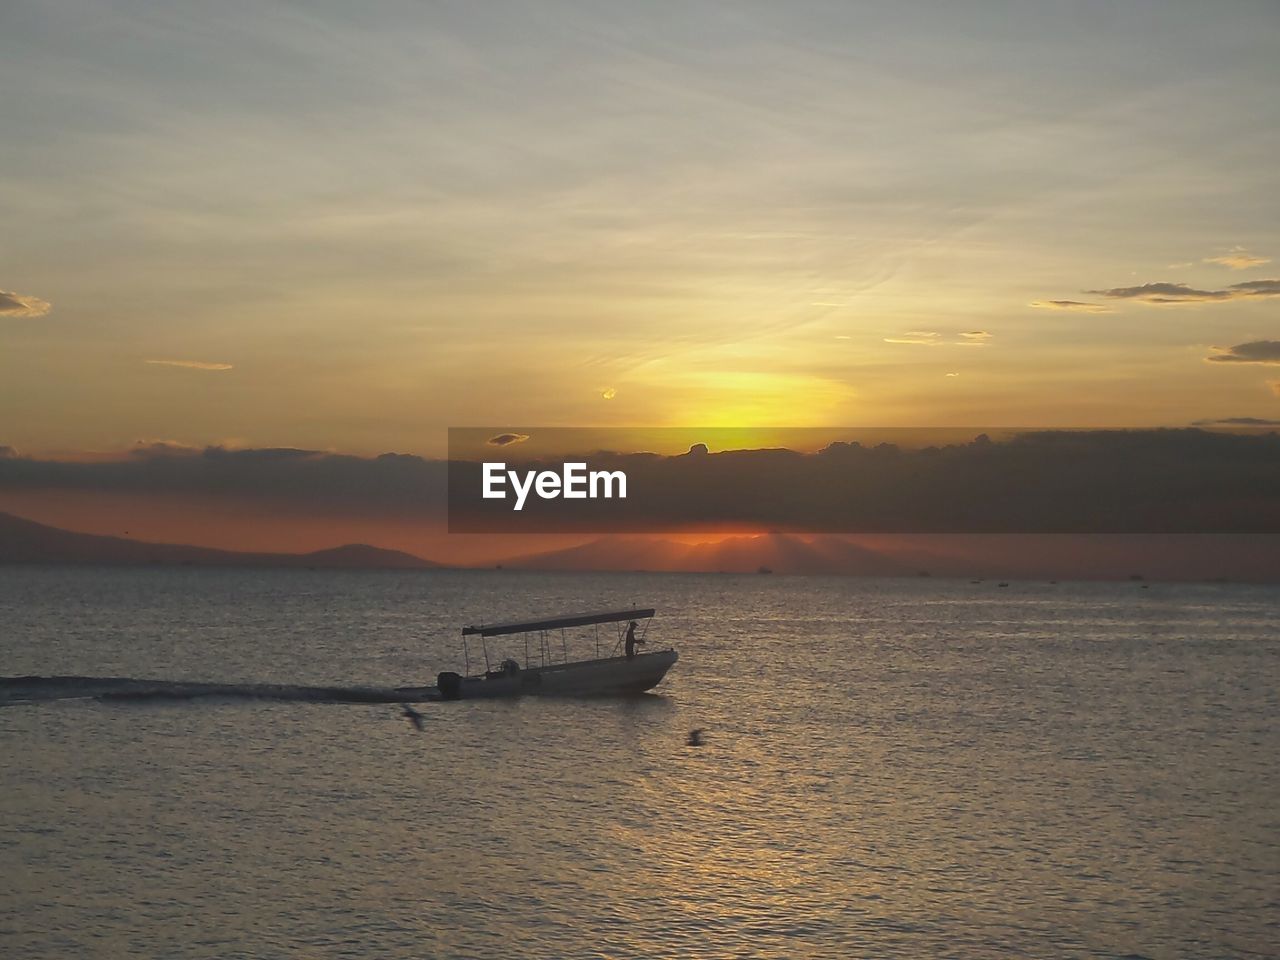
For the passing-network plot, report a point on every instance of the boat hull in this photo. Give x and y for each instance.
(610, 676)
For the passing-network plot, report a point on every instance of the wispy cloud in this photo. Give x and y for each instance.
(506, 439)
(1255, 351)
(1237, 258)
(20, 305)
(970, 338)
(916, 336)
(191, 364)
(1077, 306)
(1181, 293)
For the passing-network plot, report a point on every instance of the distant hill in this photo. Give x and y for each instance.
(1092, 557)
(25, 541)
(1193, 557)
(781, 553)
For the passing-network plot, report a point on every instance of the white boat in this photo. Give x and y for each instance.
(542, 674)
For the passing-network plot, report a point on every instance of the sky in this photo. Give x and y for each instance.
(348, 227)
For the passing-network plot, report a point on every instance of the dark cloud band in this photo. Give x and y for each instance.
(1181, 293)
(1083, 481)
(1255, 351)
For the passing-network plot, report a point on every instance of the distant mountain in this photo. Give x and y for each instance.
(1006, 557)
(1245, 558)
(25, 541)
(362, 555)
(780, 553)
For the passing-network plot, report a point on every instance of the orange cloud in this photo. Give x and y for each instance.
(191, 364)
(1238, 259)
(1077, 306)
(19, 305)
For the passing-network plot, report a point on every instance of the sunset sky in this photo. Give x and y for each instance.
(349, 226)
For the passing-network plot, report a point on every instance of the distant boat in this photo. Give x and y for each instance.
(764, 570)
(599, 676)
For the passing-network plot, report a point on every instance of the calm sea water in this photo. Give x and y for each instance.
(911, 768)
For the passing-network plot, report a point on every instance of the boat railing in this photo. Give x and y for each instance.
(542, 633)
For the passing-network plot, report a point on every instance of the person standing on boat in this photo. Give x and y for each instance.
(631, 640)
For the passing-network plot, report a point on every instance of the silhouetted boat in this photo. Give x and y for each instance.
(600, 676)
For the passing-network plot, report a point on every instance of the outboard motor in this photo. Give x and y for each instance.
(450, 686)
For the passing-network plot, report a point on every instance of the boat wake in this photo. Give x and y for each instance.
(19, 690)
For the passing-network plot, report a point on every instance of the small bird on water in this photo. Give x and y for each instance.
(695, 738)
(412, 715)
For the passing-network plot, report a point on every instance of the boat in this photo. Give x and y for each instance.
(542, 674)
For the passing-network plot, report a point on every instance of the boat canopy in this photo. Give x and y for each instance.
(555, 623)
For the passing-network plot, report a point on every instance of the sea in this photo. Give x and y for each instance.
(201, 763)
